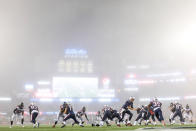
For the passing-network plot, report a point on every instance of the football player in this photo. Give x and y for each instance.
(80, 114)
(61, 114)
(151, 114)
(107, 115)
(126, 110)
(142, 115)
(18, 113)
(172, 109)
(70, 115)
(34, 112)
(188, 114)
(98, 119)
(178, 112)
(156, 105)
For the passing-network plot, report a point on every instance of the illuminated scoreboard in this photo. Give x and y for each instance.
(75, 61)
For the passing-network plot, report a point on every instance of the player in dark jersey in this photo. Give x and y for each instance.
(156, 105)
(34, 112)
(126, 110)
(61, 114)
(70, 115)
(172, 109)
(178, 112)
(18, 113)
(115, 114)
(142, 115)
(151, 114)
(188, 113)
(107, 115)
(80, 114)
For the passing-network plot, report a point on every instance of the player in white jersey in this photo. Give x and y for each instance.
(61, 115)
(34, 112)
(172, 109)
(80, 115)
(98, 119)
(188, 114)
(18, 113)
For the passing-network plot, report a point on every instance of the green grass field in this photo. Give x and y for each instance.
(88, 128)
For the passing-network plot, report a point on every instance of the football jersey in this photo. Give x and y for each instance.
(127, 104)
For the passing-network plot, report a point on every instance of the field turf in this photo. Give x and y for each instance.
(88, 128)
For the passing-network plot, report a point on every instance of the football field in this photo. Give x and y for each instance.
(104, 128)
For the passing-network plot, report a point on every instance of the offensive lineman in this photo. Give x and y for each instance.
(156, 105)
(18, 113)
(178, 112)
(142, 115)
(34, 112)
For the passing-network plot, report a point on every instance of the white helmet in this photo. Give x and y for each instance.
(131, 98)
(155, 99)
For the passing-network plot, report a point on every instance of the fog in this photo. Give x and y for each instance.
(158, 34)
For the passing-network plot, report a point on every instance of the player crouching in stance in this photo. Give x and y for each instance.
(61, 114)
(156, 105)
(34, 112)
(126, 110)
(178, 112)
(172, 109)
(70, 114)
(18, 113)
(188, 113)
(98, 119)
(142, 115)
(80, 114)
(110, 114)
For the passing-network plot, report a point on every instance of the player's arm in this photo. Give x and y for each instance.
(131, 108)
(149, 105)
(86, 117)
(66, 109)
(191, 112)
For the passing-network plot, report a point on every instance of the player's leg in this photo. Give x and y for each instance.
(161, 117)
(153, 119)
(59, 116)
(20, 116)
(170, 118)
(65, 119)
(181, 118)
(12, 120)
(174, 116)
(34, 116)
(138, 118)
(73, 116)
(123, 112)
(130, 117)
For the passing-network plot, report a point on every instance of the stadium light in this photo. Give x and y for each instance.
(29, 87)
(43, 82)
(160, 98)
(131, 89)
(104, 100)
(45, 100)
(85, 100)
(189, 97)
(5, 99)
